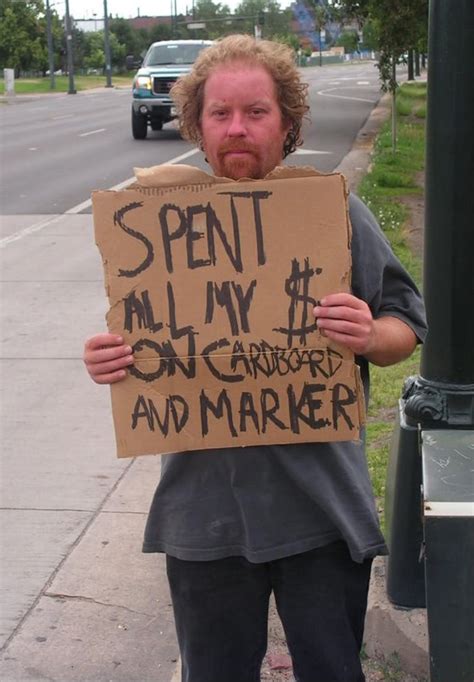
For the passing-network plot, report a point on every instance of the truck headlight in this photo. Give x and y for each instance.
(143, 82)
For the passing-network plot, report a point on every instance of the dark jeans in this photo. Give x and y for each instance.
(221, 614)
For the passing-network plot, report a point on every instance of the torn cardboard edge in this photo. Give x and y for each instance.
(187, 185)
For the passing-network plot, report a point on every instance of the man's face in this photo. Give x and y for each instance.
(241, 124)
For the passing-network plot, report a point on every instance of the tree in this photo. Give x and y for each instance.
(349, 41)
(214, 15)
(130, 38)
(22, 39)
(94, 57)
(320, 19)
(401, 26)
(266, 13)
(370, 35)
(158, 32)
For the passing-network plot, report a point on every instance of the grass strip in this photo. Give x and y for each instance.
(37, 86)
(392, 178)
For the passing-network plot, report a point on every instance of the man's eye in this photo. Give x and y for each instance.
(257, 112)
(219, 113)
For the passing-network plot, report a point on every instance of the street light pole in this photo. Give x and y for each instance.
(49, 33)
(430, 501)
(108, 61)
(69, 50)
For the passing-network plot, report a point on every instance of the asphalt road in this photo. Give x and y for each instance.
(57, 149)
(79, 600)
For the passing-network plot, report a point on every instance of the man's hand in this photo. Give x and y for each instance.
(348, 320)
(106, 357)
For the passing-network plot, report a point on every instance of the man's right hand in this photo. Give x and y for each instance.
(106, 357)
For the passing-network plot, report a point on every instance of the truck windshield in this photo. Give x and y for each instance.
(172, 54)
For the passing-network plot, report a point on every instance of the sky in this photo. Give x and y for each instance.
(85, 9)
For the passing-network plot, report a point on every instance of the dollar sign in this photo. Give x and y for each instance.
(297, 288)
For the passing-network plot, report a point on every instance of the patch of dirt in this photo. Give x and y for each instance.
(277, 663)
(384, 414)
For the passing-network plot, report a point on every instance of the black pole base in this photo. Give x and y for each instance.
(436, 405)
(403, 521)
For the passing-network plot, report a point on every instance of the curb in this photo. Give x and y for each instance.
(356, 163)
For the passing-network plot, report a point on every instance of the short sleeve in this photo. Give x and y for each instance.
(378, 277)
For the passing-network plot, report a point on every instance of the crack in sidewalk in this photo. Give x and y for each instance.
(91, 600)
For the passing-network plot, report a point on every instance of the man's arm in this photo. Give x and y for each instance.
(348, 320)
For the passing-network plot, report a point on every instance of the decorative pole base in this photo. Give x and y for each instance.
(435, 405)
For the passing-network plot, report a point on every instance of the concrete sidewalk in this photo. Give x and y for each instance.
(80, 601)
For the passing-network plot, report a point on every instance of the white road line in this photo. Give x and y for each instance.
(80, 207)
(309, 151)
(93, 132)
(363, 82)
(324, 93)
(29, 230)
(125, 183)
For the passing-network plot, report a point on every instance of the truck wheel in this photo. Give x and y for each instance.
(156, 124)
(139, 126)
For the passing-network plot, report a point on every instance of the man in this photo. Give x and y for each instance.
(298, 520)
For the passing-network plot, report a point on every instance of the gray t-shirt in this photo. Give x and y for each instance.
(268, 502)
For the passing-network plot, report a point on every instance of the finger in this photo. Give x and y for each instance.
(106, 354)
(108, 367)
(343, 327)
(111, 378)
(100, 340)
(350, 342)
(340, 312)
(343, 299)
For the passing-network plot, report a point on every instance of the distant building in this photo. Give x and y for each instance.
(149, 22)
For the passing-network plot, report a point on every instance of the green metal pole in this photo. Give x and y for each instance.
(49, 32)
(108, 60)
(70, 54)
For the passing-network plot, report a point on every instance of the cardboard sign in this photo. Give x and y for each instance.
(212, 282)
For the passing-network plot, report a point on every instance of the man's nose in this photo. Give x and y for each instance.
(236, 125)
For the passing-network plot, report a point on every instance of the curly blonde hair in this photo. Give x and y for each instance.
(276, 58)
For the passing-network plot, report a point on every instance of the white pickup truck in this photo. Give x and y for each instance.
(164, 63)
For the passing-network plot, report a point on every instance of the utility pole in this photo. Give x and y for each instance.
(108, 60)
(394, 104)
(417, 63)
(411, 76)
(69, 51)
(49, 35)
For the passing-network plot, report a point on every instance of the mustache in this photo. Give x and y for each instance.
(227, 147)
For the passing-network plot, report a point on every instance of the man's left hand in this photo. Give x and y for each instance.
(346, 319)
